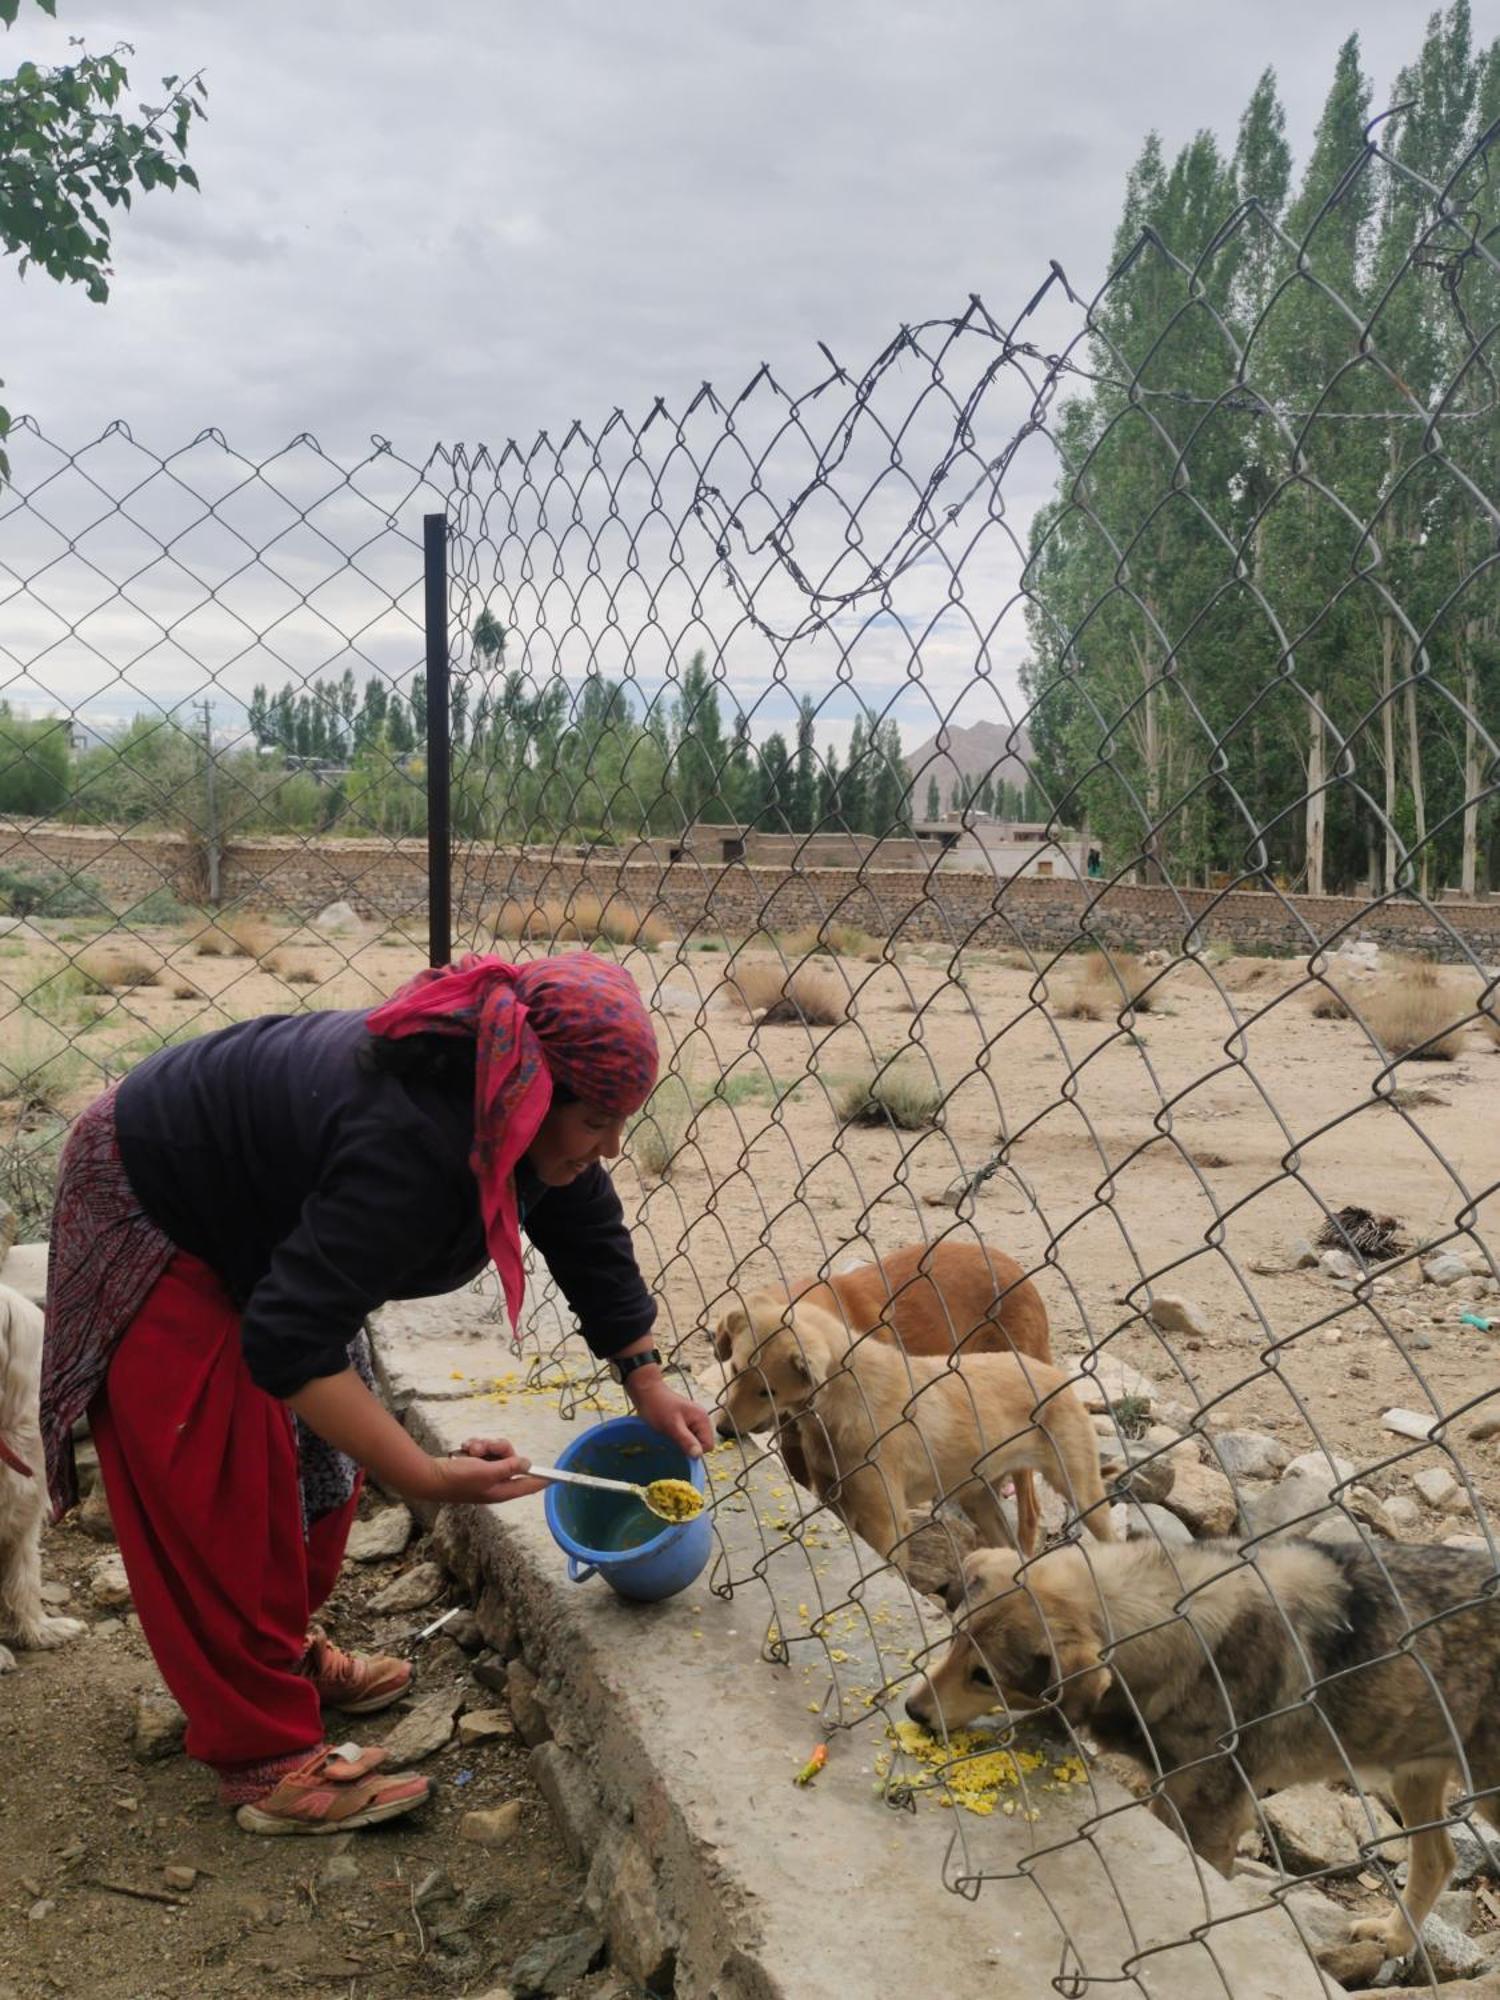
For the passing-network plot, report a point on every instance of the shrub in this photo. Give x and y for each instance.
(903, 1095)
(159, 907)
(118, 970)
(1103, 985)
(1325, 1003)
(834, 939)
(51, 895)
(655, 1134)
(808, 994)
(1419, 1020)
(37, 1070)
(300, 975)
(183, 991)
(28, 1174)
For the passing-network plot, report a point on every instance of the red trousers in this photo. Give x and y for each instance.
(200, 1468)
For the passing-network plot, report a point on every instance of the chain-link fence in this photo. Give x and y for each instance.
(1045, 784)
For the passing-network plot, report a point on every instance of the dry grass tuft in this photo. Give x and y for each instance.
(1417, 1019)
(118, 969)
(582, 919)
(655, 1134)
(809, 994)
(183, 991)
(1326, 1003)
(905, 1095)
(834, 939)
(1103, 986)
(300, 975)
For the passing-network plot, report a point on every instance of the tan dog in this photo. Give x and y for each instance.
(889, 1435)
(929, 1298)
(23, 1494)
(1232, 1680)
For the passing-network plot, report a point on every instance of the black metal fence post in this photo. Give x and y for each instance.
(439, 758)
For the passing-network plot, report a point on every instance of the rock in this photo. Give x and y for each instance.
(1302, 1255)
(554, 1964)
(26, 1271)
(495, 1827)
(337, 917)
(1360, 1958)
(55, 1594)
(159, 1727)
(1315, 1828)
(1322, 1468)
(1152, 1523)
(436, 1886)
(426, 1728)
(1477, 1847)
(109, 1586)
(525, 1704)
(413, 1591)
(485, 1725)
(1337, 1529)
(384, 1534)
(1203, 1498)
(95, 1518)
(1339, 1264)
(491, 1673)
(177, 1875)
(565, 1781)
(1368, 1507)
(1453, 1955)
(1485, 1429)
(1403, 1513)
(464, 1631)
(1410, 1423)
(1445, 1268)
(1149, 1478)
(341, 1872)
(1438, 1487)
(1111, 1381)
(1250, 1454)
(1324, 1922)
(632, 1916)
(1456, 1907)
(40, 1910)
(1170, 1313)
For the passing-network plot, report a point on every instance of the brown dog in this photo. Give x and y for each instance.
(1231, 1680)
(929, 1298)
(888, 1435)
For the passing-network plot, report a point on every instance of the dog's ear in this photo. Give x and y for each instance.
(955, 1597)
(729, 1328)
(805, 1362)
(1085, 1678)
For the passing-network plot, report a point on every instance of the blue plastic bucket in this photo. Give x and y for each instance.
(608, 1535)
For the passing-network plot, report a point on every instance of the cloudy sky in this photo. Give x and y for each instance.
(473, 219)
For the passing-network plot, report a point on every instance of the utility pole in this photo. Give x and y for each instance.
(211, 830)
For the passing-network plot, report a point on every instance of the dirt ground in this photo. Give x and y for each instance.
(1196, 1146)
(388, 1914)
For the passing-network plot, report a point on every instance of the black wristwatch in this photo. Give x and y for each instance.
(627, 1367)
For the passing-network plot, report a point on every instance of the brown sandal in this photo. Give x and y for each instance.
(337, 1790)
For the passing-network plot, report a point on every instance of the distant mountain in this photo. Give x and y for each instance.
(981, 750)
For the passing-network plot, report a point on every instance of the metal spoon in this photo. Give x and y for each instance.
(636, 1492)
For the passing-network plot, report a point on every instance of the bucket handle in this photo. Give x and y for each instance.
(581, 1572)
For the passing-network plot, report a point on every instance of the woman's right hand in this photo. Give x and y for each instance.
(482, 1473)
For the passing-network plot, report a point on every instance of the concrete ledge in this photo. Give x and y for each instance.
(666, 1744)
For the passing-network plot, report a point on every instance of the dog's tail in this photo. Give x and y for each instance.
(8, 1457)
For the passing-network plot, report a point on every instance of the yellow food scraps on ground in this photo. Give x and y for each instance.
(975, 1774)
(674, 1499)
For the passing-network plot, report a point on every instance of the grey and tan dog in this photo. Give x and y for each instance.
(1232, 1680)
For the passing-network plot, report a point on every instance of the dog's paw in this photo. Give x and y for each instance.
(1392, 1934)
(48, 1633)
(7, 1660)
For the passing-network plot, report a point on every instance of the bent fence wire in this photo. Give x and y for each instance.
(1045, 784)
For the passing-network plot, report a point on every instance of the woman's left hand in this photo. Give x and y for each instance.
(685, 1422)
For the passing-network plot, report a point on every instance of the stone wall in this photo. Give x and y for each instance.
(387, 880)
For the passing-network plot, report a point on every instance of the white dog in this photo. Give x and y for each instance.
(23, 1490)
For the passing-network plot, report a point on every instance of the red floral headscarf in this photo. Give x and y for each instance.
(574, 1019)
